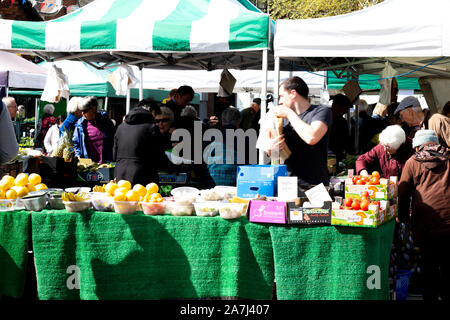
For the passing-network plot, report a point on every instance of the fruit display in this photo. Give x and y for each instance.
(12, 188)
(65, 148)
(207, 208)
(76, 202)
(377, 188)
(232, 210)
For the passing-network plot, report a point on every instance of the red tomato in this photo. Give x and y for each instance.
(375, 181)
(348, 202)
(361, 182)
(365, 194)
(348, 208)
(364, 205)
(376, 174)
(354, 179)
(356, 205)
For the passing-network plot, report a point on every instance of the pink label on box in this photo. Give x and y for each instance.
(268, 211)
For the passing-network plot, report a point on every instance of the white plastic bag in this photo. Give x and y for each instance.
(386, 84)
(122, 78)
(56, 86)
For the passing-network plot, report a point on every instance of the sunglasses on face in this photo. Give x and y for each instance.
(164, 120)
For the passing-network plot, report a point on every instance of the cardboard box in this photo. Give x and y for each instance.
(267, 211)
(386, 190)
(101, 175)
(297, 214)
(259, 180)
(371, 218)
(12, 168)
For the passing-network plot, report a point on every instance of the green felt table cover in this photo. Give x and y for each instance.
(14, 232)
(332, 263)
(145, 257)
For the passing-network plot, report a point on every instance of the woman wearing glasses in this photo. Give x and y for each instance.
(164, 121)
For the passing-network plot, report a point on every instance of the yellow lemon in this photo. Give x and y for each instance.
(140, 189)
(110, 188)
(11, 194)
(152, 188)
(21, 191)
(34, 179)
(2, 194)
(120, 190)
(120, 197)
(31, 187)
(132, 195)
(21, 180)
(41, 186)
(124, 184)
(8, 178)
(5, 184)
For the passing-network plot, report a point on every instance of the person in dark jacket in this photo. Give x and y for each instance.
(389, 155)
(426, 179)
(181, 99)
(47, 121)
(138, 150)
(93, 137)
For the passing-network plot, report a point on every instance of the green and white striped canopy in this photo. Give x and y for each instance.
(192, 26)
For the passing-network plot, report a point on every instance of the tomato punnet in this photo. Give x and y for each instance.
(364, 205)
(348, 202)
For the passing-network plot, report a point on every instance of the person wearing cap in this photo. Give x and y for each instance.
(412, 115)
(340, 143)
(426, 179)
(390, 155)
(93, 136)
(249, 115)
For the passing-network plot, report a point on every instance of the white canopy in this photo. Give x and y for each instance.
(17, 72)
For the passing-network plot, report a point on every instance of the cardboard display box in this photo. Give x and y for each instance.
(267, 211)
(371, 218)
(298, 214)
(259, 180)
(386, 190)
(12, 168)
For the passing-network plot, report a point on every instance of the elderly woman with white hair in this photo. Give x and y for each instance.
(73, 114)
(47, 121)
(389, 155)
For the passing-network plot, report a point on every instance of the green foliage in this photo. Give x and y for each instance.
(304, 9)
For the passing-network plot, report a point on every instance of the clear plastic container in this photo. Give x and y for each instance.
(102, 201)
(232, 210)
(77, 206)
(185, 195)
(207, 208)
(153, 208)
(210, 195)
(7, 204)
(125, 207)
(226, 192)
(177, 209)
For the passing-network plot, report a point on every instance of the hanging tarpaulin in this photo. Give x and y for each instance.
(122, 78)
(386, 82)
(56, 86)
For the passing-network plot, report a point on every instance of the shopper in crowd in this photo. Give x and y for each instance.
(73, 114)
(389, 155)
(150, 105)
(412, 115)
(170, 95)
(306, 133)
(339, 137)
(52, 137)
(426, 179)
(367, 128)
(190, 111)
(8, 142)
(94, 133)
(440, 124)
(222, 166)
(11, 104)
(44, 125)
(181, 99)
(249, 115)
(138, 149)
(164, 121)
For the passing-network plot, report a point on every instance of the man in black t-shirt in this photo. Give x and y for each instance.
(305, 133)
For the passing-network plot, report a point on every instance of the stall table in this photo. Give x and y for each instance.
(14, 237)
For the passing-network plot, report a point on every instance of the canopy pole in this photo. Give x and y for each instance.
(265, 59)
(128, 100)
(276, 81)
(141, 84)
(36, 118)
(106, 103)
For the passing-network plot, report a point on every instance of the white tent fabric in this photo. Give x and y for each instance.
(394, 28)
(21, 73)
